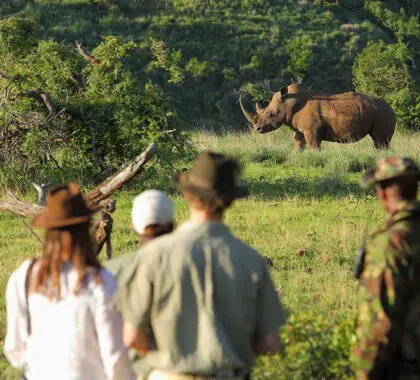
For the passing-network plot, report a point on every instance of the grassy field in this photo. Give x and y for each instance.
(306, 212)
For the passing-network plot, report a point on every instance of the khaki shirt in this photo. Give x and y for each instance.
(118, 265)
(205, 295)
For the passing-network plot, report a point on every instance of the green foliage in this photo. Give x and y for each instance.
(383, 70)
(259, 91)
(168, 60)
(215, 47)
(17, 36)
(403, 25)
(400, 18)
(313, 348)
(11, 6)
(300, 54)
(171, 61)
(347, 4)
(90, 115)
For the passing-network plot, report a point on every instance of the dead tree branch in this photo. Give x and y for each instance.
(94, 198)
(119, 179)
(49, 105)
(42, 95)
(88, 57)
(19, 207)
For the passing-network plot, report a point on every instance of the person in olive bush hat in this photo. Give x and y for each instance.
(206, 297)
(388, 333)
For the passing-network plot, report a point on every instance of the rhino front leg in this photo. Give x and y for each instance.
(299, 141)
(312, 139)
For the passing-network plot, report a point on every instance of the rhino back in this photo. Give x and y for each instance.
(343, 117)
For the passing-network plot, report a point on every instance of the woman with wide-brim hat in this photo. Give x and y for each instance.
(61, 323)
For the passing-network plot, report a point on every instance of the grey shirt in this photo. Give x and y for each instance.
(206, 296)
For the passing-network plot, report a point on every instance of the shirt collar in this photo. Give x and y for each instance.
(208, 226)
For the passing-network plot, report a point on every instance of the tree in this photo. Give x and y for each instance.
(382, 70)
(68, 112)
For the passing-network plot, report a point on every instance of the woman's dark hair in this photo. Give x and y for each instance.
(61, 245)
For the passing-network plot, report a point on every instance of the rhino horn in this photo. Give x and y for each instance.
(247, 114)
(259, 109)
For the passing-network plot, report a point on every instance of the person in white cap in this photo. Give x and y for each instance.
(152, 216)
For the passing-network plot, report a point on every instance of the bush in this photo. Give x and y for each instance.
(300, 54)
(80, 116)
(382, 70)
(313, 349)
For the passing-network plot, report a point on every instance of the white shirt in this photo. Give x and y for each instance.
(77, 338)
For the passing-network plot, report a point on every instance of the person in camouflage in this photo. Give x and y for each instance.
(388, 332)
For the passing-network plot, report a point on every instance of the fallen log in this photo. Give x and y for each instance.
(116, 181)
(96, 199)
(19, 207)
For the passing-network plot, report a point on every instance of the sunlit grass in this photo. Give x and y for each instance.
(306, 212)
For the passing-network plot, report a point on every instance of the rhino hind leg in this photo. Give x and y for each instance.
(381, 143)
(383, 127)
(381, 140)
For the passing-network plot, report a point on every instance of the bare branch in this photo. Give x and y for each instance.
(88, 57)
(94, 198)
(40, 94)
(19, 207)
(116, 181)
(48, 103)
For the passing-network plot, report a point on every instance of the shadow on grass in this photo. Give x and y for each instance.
(331, 187)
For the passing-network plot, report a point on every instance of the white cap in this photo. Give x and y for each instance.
(151, 207)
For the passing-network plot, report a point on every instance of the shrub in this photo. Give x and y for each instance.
(300, 54)
(87, 111)
(383, 70)
(313, 349)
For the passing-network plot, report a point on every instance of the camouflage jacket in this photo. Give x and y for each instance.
(388, 333)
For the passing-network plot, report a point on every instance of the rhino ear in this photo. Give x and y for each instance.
(283, 91)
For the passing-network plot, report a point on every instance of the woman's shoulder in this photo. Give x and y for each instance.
(16, 282)
(20, 273)
(105, 284)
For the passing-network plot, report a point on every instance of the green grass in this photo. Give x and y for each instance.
(299, 200)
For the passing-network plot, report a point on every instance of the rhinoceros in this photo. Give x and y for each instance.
(342, 118)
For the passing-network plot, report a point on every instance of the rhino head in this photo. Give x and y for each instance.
(279, 111)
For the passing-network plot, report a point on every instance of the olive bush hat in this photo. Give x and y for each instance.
(390, 168)
(213, 175)
(65, 207)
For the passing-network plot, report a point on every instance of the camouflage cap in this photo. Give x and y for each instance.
(389, 168)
